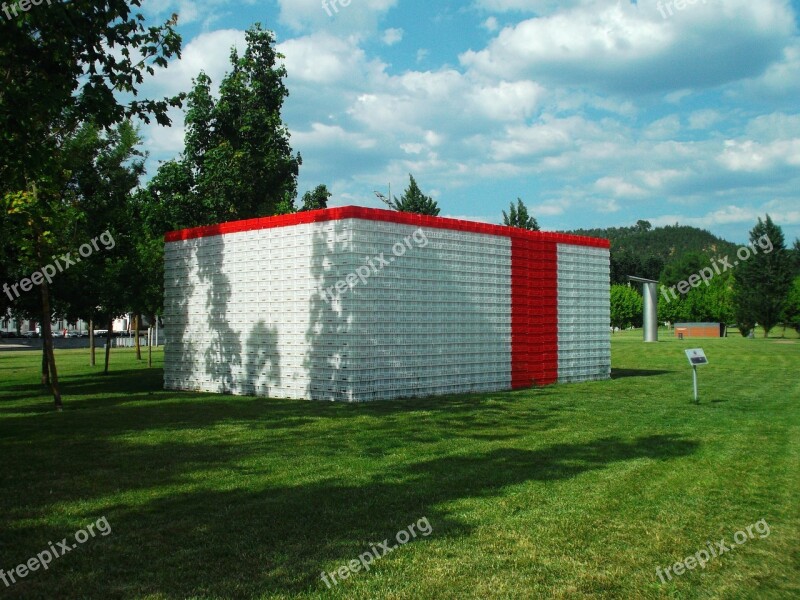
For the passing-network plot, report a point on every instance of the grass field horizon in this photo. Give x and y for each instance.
(569, 491)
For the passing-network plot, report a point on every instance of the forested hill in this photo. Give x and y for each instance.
(644, 251)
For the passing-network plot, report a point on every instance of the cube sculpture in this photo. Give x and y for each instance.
(358, 304)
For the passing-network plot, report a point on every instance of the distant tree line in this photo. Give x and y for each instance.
(747, 287)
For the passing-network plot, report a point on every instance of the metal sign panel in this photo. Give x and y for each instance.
(696, 357)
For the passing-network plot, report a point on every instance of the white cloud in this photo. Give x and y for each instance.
(322, 58)
(665, 128)
(703, 119)
(618, 187)
(746, 216)
(331, 137)
(491, 24)
(622, 48)
(392, 36)
(750, 156)
(208, 52)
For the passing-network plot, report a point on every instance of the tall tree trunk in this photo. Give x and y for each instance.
(92, 359)
(108, 342)
(45, 369)
(47, 341)
(47, 331)
(136, 320)
(150, 345)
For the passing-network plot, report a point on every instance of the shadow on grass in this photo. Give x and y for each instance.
(94, 384)
(256, 538)
(624, 373)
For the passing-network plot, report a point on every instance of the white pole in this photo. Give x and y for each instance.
(650, 312)
(156, 331)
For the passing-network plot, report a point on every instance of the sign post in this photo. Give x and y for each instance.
(696, 357)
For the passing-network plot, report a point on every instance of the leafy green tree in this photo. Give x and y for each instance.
(38, 217)
(67, 63)
(104, 168)
(625, 262)
(644, 251)
(237, 162)
(791, 311)
(796, 256)
(762, 280)
(712, 302)
(626, 306)
(61, 67)
(286, 207)
(317, 199)
(414, 201)
(170, 201)
(517, 216)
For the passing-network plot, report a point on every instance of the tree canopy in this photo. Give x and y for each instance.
(237, 161)
(763, 278)
(517, 216)
(414, 201)
(57, 72)
(626, 306)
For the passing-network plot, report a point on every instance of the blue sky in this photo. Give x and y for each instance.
(596, 112)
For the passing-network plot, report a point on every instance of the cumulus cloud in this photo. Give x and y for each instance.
(626, 49)
(392, 36)
(605, 105)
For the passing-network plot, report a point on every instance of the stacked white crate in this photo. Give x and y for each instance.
(584, 345)
(438, 319)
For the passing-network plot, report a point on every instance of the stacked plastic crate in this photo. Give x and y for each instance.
(584, 313)
(359, 304)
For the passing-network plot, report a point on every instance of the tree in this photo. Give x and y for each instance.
(105, 195)
(517, 216)
(763, 278)
(796, 256)
(626, 306)
(414, 201)
(317, 199)
(78, 56)
(39, 219)
(791, 311)
(65, 63)
(237, 162)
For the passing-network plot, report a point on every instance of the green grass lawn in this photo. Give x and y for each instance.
(573, 491)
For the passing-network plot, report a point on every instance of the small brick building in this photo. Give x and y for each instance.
(699, 330)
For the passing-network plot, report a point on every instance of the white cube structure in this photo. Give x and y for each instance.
(358, 304)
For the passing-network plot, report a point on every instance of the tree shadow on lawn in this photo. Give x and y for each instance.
(169, 409)
(129, 381)
(246, 542)
(80, 448)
